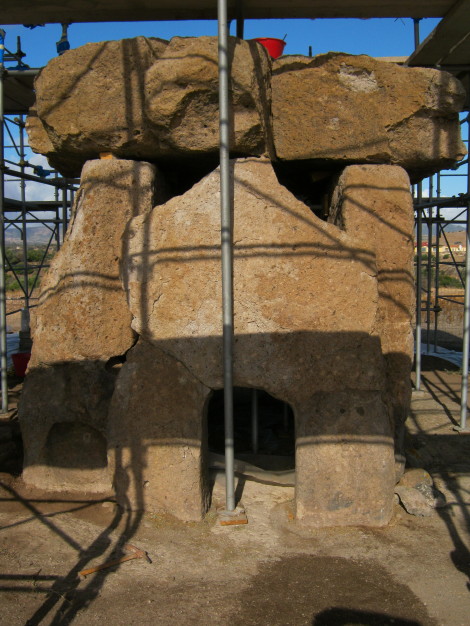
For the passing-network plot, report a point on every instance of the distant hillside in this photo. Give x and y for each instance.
(453, 237)
(37, 236)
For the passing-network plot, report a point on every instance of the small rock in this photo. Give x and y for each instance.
(420, 480)
(413, 501)
(414, 477)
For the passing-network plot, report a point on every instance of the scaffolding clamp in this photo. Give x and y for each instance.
(63, 44)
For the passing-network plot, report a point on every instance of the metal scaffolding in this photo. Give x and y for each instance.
(433, 212)
(22, 213)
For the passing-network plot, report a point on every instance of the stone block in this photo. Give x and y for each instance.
(182, 97)
(345, 108)
(63, 418)
(83, 312)
(157, 440)
(91, 100)
(373, 204)
(344, 462)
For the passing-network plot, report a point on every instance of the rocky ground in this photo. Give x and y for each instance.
(271, 571)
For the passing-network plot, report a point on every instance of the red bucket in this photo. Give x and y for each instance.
(275, 47)
(20, 362)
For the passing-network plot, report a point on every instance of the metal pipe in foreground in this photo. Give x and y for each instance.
(418, 292)
(429, 278)
(60, 240)
(436, 279)
(227, 251)
(3, 317)
(24, 217)
(466, 317)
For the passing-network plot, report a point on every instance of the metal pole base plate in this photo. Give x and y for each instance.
(461, 430)
(232, 518)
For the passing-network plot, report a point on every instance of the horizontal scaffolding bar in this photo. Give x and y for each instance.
(458, 202)
(53, 182)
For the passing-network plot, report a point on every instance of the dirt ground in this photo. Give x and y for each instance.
(272, 571)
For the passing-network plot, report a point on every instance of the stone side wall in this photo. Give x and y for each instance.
(82, 304)
(373, 204)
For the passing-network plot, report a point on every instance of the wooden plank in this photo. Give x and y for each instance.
(44, 11)
(449, 42)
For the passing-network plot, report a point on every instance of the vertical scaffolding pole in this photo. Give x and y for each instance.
(227, 252)
(416, 22)
(285, 416)
(429, 278)
(240, 19)
(24, 215)
(64, 212)
(418, 291)
(436, 278)
(466, 318)
(3, 322)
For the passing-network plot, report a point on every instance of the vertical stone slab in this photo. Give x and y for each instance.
(83, 312)
(82, 321)
(344, 460)
(156, 436)
(373, 204)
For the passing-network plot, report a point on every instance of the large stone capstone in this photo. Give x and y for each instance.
(182, 97)
(149, 99)
(146, 99)
(91, 100)
(340, 107)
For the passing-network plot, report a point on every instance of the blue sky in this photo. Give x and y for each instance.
(376, 37)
